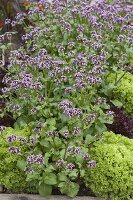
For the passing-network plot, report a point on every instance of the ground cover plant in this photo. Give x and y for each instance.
(112, 178)
(57, 85)
(11, 177)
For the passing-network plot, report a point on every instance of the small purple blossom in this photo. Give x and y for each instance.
(86, 156)
(70, 166)
(76, 131)
(66, 133)
(109, 113)
(91, 163)
(65, 104)
(77, 150)
(32, 140)
(23, 140)
(11, 138)
(70, 149)
(14, 150)
(59, 162)
(2, 128)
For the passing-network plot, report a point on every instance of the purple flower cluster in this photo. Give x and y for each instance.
(74, 150)
(59, 162)
(14, 150)
(35, 159)
(11, 138)
(68, 110)
(76, 131)
(70, 166)
(91, 163)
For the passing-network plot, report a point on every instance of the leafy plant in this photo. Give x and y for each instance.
(10, 176)
(57, 83)
(112, 177)
(124, 91)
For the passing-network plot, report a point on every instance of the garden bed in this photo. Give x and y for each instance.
(67, 86)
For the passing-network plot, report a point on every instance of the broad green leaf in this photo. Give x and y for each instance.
(89, 138)
(50, 179)
(21, 164)
(44, 189)
(62, 176)
(73, 189)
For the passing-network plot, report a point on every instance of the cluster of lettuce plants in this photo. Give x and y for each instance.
(57, 85)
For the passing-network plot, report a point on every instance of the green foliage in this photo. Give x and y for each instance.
(124, 90)
(56, 86)
(10, 176)
(113, 174)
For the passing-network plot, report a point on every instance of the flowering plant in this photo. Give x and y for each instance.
(57, 85)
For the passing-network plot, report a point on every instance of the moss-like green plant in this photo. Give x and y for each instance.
(112, 178)
(10, 176)
(124, 90)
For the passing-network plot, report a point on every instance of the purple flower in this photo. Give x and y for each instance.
(109, 112)
(77, 150)
(35, 159)
(70, 149)
(2, 128)
(11, 138)
(32, 140)
(14, 150)
(37, 130)
(65, 104)
(86, 155)
(70, 166)
(91, 163)
(72, 112)
(76, 131)
(59, 162)
(66, 134)
(50, 134)
(38, 159)
(23, 140)
(7, 21)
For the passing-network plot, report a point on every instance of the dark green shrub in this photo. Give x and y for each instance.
(10, 176)
(113, 174)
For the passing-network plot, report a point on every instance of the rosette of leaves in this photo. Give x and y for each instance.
(11, 177)
(113, 175)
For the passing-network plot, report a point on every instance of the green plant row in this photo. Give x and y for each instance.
(111, 177)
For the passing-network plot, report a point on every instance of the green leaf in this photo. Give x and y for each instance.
(89, 138)
(82, 173)
(62, 176)
(70, 188)
(73, 189)
(21, 164)
(46, 158)
(117, 103)
(51, 121)
(100, 127)
(50, 179)
(57, 142)
(73, 173)
(45, 143)
(44, 189)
